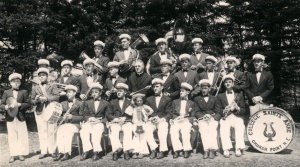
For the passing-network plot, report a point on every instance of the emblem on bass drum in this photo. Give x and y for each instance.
(270, 130)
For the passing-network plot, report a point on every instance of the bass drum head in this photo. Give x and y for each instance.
(52, 112)
(13, 111)
(270, 130)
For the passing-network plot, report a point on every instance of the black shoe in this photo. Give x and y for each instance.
(54, 156)
(95, 156)
(66, 157)
(161, 155)
(126, 155)
(42, 156)
(153, 154)
(12, 159)
(21, 158)
(58, 157)
(84, 156)
(176, 154)
(186, 154)
(205, 155)
(115, 156)
(135, 156)
(211, 154)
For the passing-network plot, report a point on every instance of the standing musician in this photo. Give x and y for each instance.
(155, 65)
(87, 79)
(127, 56)
(207, 119)
(42, 95)
(16, 125)
(114, 79)
(93, 112)
(69, 123)
(198, 57)
(100, 58)
(44, 63)
(232, 106)
(139, 79)
(170, 82)
(120, 121)
(186, 74)
(259, 85)
(183, 111)
(66, 78)
(162, 108)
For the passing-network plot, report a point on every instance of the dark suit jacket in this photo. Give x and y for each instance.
(90, 111)
(109, 85)
(195, 61)
(82, 82)
(222, 102)
(191, 109)
(263, 89)
(134, 85)
(208, 107)
(239, 84)
(191, 78)
(52, 95)
(72, 80)
(164, 108)
(115, 111)
(155, 66)
(103, 61)
(74, 111)
(172, 86)
(22, 98)
(204, 75)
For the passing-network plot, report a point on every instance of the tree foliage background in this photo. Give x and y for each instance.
(32, 29)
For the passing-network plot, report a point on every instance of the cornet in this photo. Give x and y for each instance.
(178, 119)
(229, 108)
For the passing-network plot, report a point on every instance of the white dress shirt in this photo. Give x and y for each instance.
(163, 56)
(157, 100)
(15, 94)
(198, 56)
(185, 73)
(121, 102)
(182, 107)
(258, 74)
(96, 104)
(70, 104)
(164, 78)
(89, 80)
(230, 97)
(127, 53)
(210, 76)
(206, 99)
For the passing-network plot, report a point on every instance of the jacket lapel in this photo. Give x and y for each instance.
(209, 101)
(169, 79)
(74, 106)
(225, 99)
(125, 105)
(187, 107)
(254, 78)
(100, 106)
(262, 77)
(20, 94)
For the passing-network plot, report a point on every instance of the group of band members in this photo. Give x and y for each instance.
(125, 102)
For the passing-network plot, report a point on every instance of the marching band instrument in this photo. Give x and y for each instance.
(84, 56)
(93, 122)
(77, 71)
(13, 106)
(204, 118)
(229, 108)
(142, 39)
(219, 86)
(52, 112)
(178, 119)
(146, 88)
(154, 120)
(60, 87)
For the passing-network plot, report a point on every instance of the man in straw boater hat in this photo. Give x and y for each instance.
(259, 85)
(100, 58)
(186, 74)
(183, 113)
(120, 121)
(15, 118)
(198, 57)
(231, 105)
(41, 95)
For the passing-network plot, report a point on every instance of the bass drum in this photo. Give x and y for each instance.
(52, 112)
(270, 130)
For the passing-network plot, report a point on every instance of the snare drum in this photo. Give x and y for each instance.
(52, 112)
(270, 130)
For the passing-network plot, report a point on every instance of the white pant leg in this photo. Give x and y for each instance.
(239, 128)
(257, 107)
(213, 133)
(149, 129)
(127, 136)
(174, 132)
(209, 131)
(64, 137)
(115, 136)
(85, 136)
(51, 135)
(96, 133)
(162, 135)
(140, 142)
(42, 132)
(225, 126)
(186, 127)
(61, 142)
(204, 132)
(17, 137)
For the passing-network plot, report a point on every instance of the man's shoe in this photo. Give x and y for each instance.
(115, 156)
(12, 159)
(176, 154)
(161, 155)
(238, 153)
(84, 156)
(135, 156)
(186, 154)
(226, 154)
(211, 154)
(42, 156)
(66, 157)
(140, 156)
(153, 154)
(58, 157)
(21, 158)
(205, 155)
(126, 155)
(95, 156)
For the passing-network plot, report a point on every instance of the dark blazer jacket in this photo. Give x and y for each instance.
(164, 108)
(264, 88)
(172, 86)
(52, 95)
(195, 61)
(191, 109)
(191, 78)
(74, 111)
(155, 66)
(115, 111)
(22, 98)
(222, 102)
(72, 80)
(103, 61)
(134, 85)
(208, 107)
(109, 85)
(82, 82)
(204, 75)
(90, 111)
(239, 84)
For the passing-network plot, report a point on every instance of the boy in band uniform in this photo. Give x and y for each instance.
(198, 57)
(186, 74)
(100, 58)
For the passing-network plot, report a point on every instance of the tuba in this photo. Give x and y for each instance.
(142, 39)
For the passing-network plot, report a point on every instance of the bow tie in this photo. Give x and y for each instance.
(184, 99)
(163, 53)
(198, 53)
(43, 83)
(125, 49)
(209, 71)
(121, 99)
(229, 92)
(157, 95)
(97, 100)
(229, 71)
(165, 75)
(113, 77)
(16, 89)
(68, 75)
(184, 70)
(71, 101)
(205, 95)
(89, 75)
(257, 71)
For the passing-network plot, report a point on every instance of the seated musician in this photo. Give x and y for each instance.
(198, 57)
(87, 79)
(186, 74)
(69, 123)
(183, 111)
(170, 82)
(162, 108)
(16, 125)
(139, 112)
(259, 85)
(155, 66)
(231, 106)
(93, 112)
(127, 55)
(41, 95)
(100, 58)
(207, 119)
(114, 79)
(66, 78)
(120, 121)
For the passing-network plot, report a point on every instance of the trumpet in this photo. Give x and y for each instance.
(85, 56)
(96, 121)
(178, 119)
(204, 118)
(120, 121)
(229, 108)
(155, 120)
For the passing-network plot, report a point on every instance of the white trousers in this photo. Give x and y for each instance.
(114, 136)
(162, 133)
(184, 128)
(47, 137)
(95, 132)
(237, 123)
(17, 137)
(139, 141)
(209, 131)
(64, 138)
(257, 107)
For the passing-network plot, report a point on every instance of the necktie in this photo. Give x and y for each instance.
(210, 71)
(113, 77)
